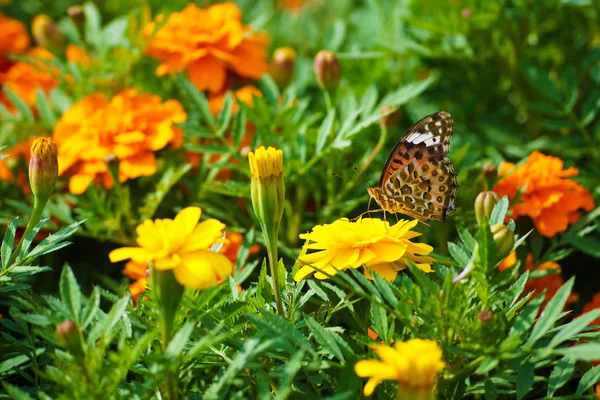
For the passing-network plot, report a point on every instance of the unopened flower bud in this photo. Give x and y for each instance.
(466, 13)
(489, 171)
(43, 167)
(267, 188)
(484, 204)
(76, 14)
(282, 67)
(392, 118)
(69, 337)
(47, 34)
(485, 315)
(504, 239)
(328, 70)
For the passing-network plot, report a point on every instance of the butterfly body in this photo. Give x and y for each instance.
(418, 180)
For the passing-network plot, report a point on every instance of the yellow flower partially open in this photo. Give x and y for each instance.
(414, 364)
(369, 241)
(181, 245)
(266, 162)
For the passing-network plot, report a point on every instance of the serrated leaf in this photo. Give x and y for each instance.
(524, 320)
(380, 321)
(588, 379)
(581, 352)
(91, 309)
(466, 237)
(524, 379)
(19, 104)
(551, 313)
(179, 340)
(324, 132)
(198, 99)
(561, 374)
(70, 293)
(568, 331)
(15, 393)
(8, 242)
(499, 211)
(154, 198)
(324, 338)
(224, 117)
(458, 254)
(53, 242)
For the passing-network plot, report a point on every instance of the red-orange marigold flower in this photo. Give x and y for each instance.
(245, 95)
(130, 126)
(551, 200)
(207, 43)
(13, 39)
(592, 305)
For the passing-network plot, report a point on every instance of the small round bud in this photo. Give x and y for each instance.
(392, 118)
(489, 171)
(68, 336)
(43, 167)
(504, 239)
(328, 70)
(484, 204)
(466, 13)
(76, 14)
(283, 65)
(47, 33)
(485, 315)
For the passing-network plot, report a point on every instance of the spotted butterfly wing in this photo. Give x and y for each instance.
(418, 179)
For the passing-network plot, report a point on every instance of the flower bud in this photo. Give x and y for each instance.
(282, 67)
(47, 34)
(489, 171)
(392, 118)
(328, 70)
(466, 13)
(504, 239)
(43, 167)
(484, 204)
(485, 315)
(268, 189)
(69, 337)
(76, 14)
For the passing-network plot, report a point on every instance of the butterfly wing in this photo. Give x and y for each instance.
(418, 178)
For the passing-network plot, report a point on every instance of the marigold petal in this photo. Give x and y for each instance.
(385, 270)
(79, 183)
(185, 222)
(203, 269)
(207, 73)
(370, 386)
(137, 254)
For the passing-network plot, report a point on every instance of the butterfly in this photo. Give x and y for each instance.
(418, 179)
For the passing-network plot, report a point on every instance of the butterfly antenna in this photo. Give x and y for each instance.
(341, 177)
(362, 176)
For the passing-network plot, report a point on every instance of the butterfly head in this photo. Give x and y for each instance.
(375, 193)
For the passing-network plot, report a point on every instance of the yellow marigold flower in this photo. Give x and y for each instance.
(550, 199)
(207, 43)
(414, 364)
(368, 241)
(183, 246)
(13, 39)
(130, 126)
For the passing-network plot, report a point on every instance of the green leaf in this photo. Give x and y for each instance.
(239, 127)
(488, 364)
(198, 99)
(15, 393)
(70, 293)
(561, 374)
(269, 90)
(586, 244)
(524, 379)
(466, 237)
(179, 340)
(290, 369)
(422, 279)
(581, 352)
(490, 390)
(588, 379)
(91, 309)
(324, 338)
(487, 248)
(20, 104)
(541, 82)
(55, 241)
(551, 313)
(380, 321)
(524, 320)
(224, 117)
(45, 109)
(8, 242)
(568, 331)
(406, 93)
(154, 198)
(325, 131)
(499, 211)
(12, 363)
(459, 254)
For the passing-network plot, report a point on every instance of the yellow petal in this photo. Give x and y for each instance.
(168, 262)
(370, 386)
(303, 273)
(388, 251)
(205, 234)
(385, 270)
(186, 221)
(203, 269)
(124, 253)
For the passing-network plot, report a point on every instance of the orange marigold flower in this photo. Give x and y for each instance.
(15, 154)
(232, 246)
(77, 55)
(24, 78)
(130, 126)
(138, 272)
(245, 95)
(551, 200)
(207, 43)
(13, 39)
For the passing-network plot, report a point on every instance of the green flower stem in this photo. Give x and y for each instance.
(328, 102)
(39, 204)
(168, 294)
(407, 393)
(271, 233)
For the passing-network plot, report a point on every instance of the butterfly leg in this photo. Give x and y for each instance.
(396, 215)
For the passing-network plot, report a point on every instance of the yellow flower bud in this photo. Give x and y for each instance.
(47, 34)
(43, 167)
(282, 67)
(504, 239)
(484, 204)
(268, 198)
(328, 70)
